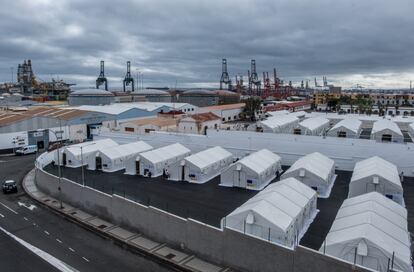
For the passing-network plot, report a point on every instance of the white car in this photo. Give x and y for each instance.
(29, 149)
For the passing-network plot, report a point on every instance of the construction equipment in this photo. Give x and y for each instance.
(254, 82)
(101, 78)
(225, 79)
(128, 78)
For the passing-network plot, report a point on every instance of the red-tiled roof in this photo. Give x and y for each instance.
(204, 117)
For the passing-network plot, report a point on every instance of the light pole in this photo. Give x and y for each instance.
(83, 171)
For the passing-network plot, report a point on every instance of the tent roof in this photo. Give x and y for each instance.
(372, 223)
(314, 123)
(125, 150)
(383, 124)
(376, 166)
(165, 153)
(411, 126)
(296, 185)
(91, 146)
(315, 163)
(280, 204)
(279, 120)
(351, 124)
(208, 157)
(260, 161)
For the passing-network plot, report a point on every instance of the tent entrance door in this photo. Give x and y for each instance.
(137, 168)
(64, 158)
(371, 187)
(242, 179)
(98, 163)
(182, 173)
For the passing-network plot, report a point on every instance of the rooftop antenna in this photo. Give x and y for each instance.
(225, 79)
(101, 78)
(128, 78)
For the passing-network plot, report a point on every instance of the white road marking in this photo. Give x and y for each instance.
(1, 215)
(25, 219)
(71, 249)
(46, 232)
(58, 264)
(27, 206)
(57, 240)
(85, 259)
(7, 207)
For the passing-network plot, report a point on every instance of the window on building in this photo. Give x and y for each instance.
(297, 131)
(386, 138)
(342, 134)
(129, 129)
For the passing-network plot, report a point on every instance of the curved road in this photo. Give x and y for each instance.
(67, 242)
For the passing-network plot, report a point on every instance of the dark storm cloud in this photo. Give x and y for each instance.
(184, 41)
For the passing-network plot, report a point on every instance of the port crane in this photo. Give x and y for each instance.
(129, 80)
(101, 78)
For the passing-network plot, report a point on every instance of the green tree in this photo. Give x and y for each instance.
(253, 105)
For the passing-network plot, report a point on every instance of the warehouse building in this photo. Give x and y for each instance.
(281, 213)
(198, 97)
(376, 175)
(253, 172)
(280, 124)
(227, 113)
(316, 171)
(386, 131)
(118, 157)
(146, 125)
(347, 128)
(154, 163)
(313, 126)
(371, 230)
(202, 166)
(90, 97)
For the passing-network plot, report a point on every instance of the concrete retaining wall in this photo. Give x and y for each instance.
(225, 247)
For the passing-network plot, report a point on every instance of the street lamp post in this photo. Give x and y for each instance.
(58, 155)
(83, 171)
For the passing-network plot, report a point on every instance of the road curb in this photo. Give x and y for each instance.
(105, 235)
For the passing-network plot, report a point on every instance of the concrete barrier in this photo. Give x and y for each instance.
(222, 246)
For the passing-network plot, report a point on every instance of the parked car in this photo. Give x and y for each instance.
(9, 186)
(28, 149)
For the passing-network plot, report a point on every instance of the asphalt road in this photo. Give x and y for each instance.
(53, 234)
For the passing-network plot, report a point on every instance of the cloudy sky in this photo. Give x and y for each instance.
(367, 42)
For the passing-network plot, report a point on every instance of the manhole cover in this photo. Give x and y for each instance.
(170, 256)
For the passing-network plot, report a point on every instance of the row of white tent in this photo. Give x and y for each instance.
(347, 128)
(370, 228)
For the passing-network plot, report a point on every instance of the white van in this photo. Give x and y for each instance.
(29, 149)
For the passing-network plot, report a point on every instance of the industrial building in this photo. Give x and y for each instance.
(199, 98)
(202, 166)
(371, 230)
(386, 131)
(376, 175)
(118, 157)
(347, 128)
(90, 97)
(313, 126)
(280, 213)
(146, 125)
(253, 172)
(230, 112)
(199, 123)
(154, 163)
(280, 124)
(316, 171)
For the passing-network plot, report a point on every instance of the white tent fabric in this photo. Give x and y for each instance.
(376, 174)
(202, 166)
(278, 213)
(371, 226)
(280, 123)
(314, 126)
(252, 172)
(116, 158)
(386, 127)
(351, 128)
(71, 155)
(315, 170)
(411, 130)
(154, 162)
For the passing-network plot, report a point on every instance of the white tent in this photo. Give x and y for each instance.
(315, 170)
(202, 166)
(376, 174)
(156, 161)
(386, 131)
(347, 128)
(74, 155)
(372, 230)
(252, 172)
(411, 130)
(280, 213)
(280, 123)
(115, 158)
(313, 126)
